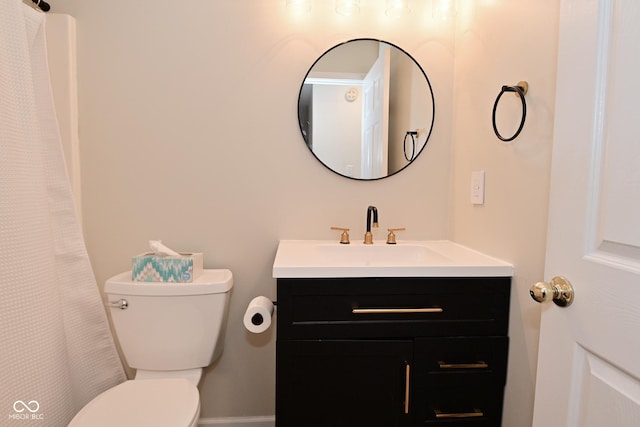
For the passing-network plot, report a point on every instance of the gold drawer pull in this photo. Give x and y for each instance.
(479, 365)
(475, 414)
(395, 310)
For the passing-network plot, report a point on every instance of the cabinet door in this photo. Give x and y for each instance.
(343, 383)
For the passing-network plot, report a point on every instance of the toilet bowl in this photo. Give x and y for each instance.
(159, 403)
(168, 332)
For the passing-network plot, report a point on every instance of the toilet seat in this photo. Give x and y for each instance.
(171, 402)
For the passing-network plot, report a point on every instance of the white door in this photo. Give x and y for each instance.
(375, 116)
(589, 357)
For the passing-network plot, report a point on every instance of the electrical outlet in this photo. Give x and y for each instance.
(477, 187)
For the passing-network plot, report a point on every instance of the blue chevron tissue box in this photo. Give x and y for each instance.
(151, 267)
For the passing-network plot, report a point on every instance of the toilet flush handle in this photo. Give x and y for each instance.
(122, 304)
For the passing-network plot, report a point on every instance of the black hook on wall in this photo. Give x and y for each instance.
(521, 90)
(44, 6)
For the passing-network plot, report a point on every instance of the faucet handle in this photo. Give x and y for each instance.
(344, 237)
(391, 238)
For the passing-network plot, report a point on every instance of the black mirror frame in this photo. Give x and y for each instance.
(433, 108)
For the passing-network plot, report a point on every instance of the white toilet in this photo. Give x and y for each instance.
(169, 332)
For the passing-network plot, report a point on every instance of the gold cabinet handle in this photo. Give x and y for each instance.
(396, 310)
(443, 415)
(407, 380)
(478, 365)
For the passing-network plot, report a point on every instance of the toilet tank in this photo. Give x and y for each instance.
(170, 326)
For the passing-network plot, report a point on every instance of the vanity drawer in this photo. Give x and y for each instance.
(392, 307)
(458, 400)
(456, 355)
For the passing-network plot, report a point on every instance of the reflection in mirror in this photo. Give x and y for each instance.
(366, 109)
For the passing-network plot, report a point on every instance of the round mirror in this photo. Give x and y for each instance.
(366, 109)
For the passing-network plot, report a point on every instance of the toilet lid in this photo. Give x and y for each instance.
(158, 402)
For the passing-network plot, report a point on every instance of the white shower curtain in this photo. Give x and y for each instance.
(56, 349)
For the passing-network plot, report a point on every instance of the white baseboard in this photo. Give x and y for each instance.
(263, 421)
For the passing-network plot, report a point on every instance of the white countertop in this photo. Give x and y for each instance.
(408, 258)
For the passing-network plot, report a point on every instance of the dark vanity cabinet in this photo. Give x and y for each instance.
(391, 351)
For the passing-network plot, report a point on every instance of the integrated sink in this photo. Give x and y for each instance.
(361, 254)
(429, 258)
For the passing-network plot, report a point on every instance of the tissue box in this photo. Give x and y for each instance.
(149, 267)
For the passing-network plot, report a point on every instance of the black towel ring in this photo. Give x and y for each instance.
(521, 90)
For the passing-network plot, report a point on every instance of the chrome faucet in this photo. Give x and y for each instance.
(368, 236)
